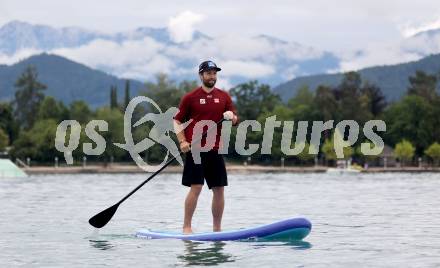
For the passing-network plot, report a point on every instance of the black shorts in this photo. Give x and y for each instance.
(212, 169)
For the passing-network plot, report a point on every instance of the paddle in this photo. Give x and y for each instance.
(103, 217)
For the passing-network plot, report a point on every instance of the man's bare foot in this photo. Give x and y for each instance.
(216, 230)
(187, 230)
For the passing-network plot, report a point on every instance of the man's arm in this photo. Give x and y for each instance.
(180, 133)
(177, 123)
(230, 107)
(178, 129)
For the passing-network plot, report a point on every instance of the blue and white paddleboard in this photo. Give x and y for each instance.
(285, 230)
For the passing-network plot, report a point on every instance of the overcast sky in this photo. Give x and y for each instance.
(330, 25)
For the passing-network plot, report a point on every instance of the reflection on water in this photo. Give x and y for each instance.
(102, 241)
(298, 244)
(212, 253)
(101, 244)
(205, 253)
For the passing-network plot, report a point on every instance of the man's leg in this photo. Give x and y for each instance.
(218, 204)
(190, 206)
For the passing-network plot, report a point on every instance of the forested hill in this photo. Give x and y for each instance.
(392, 79)
(66, 80)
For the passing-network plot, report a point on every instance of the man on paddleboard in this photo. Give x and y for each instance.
(204, 103)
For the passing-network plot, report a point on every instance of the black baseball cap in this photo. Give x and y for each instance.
(208, 65)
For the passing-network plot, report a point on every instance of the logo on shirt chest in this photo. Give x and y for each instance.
(204, 101)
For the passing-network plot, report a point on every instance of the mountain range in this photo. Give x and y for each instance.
(66, 80)
(392, 79)
(78, 63)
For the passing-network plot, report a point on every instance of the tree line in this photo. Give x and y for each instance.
(28, 123)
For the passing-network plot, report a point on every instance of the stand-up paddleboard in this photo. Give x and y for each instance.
(285, 230)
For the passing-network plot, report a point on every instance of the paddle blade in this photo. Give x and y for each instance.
(103, 217)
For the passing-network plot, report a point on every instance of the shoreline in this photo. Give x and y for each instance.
(231, 168)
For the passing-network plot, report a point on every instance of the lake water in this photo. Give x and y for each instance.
(362, 220)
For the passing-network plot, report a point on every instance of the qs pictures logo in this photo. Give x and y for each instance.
(346, 133)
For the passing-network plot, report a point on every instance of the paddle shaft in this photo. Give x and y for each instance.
(164, 166)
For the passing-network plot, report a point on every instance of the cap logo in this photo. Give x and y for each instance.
(211, 64)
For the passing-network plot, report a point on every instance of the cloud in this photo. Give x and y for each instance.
(423, 44)
(248, 69)
(290, 72)
(20, 55)
(142, 59)
(378, 54)
(181, 27)
(147, 70)
(223, 83)
(139, 59)
(295, 51)
(406, 50)
(106, 52)
(240, 47)
(411, 30)
(223, 48)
